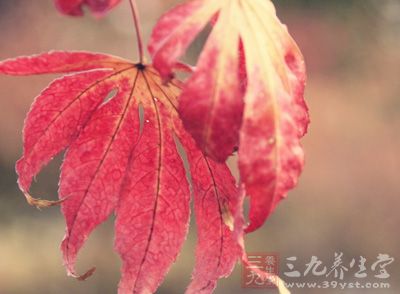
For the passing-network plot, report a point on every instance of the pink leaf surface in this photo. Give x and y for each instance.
(93, 167)
(56, 117)
(211, 104)
(59, 62)
(153, 211)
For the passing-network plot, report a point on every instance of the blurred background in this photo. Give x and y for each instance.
(348, 197)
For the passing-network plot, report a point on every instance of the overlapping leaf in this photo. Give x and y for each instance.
(119, 161)
(248, 88)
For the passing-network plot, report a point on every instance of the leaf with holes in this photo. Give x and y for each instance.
(248, 87)
(122, 156)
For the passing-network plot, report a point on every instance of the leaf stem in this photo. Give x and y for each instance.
(138, 30)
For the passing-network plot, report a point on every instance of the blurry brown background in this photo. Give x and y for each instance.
(349, 194)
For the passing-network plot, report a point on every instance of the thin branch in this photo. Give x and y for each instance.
(138, 29)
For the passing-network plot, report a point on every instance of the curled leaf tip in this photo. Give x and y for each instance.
(183, 67)
(166, 80)
(41, 203)
(85, 276)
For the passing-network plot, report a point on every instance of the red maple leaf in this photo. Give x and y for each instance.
(248, 87)
(119, 160)
(74, 7)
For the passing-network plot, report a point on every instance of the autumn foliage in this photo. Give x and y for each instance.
(123, 127)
